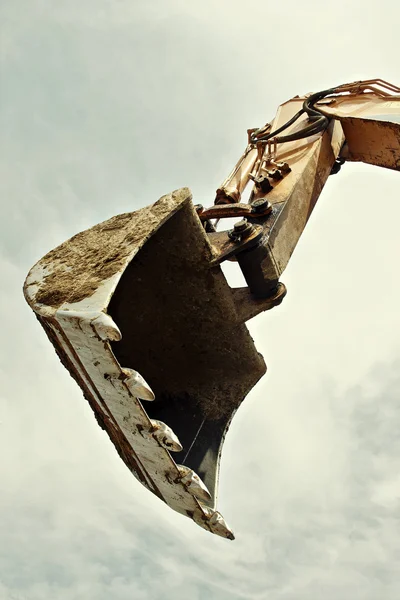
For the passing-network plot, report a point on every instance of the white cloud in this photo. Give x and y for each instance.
(105, 107)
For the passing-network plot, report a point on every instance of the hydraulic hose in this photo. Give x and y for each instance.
(317, 121)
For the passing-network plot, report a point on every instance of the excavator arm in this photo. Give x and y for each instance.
(140, 313)
(288, 161)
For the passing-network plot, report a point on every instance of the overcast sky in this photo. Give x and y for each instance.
(105, 106)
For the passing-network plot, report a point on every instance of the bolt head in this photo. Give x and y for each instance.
(260, 205)
(240, 226)
(263, 183)
(241, 231)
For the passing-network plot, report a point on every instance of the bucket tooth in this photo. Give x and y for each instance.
(213, 521)
(193, 483)
(137, 385)
(105, 328)
(165, 436)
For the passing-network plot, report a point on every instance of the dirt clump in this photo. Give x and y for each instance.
(79, 265)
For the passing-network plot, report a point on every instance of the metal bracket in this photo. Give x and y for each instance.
(258, 209)
(226, 248)
(247, 243)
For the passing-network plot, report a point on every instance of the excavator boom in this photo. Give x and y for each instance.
(141, 315)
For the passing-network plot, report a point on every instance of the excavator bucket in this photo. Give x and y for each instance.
(137, 299)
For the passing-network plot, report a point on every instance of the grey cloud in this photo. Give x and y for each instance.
(105, 106)
(92, 530)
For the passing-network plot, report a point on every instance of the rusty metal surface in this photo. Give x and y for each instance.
(232, 188)
(248, 306)
(292, 197)
(222, 211)
(370, 116)
(225, 248)
(373, 141)
(311, 164)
